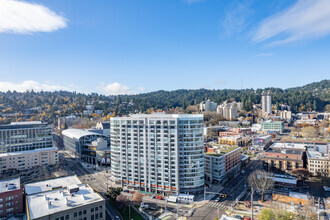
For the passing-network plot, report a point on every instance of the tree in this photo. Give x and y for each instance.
(261, 180)
(266, 214)
(309, 132)
(137, 197)
(301, 173)
(122, 201)
(113, 192)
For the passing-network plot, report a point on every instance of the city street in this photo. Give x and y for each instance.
(97, 180)
(213, 209)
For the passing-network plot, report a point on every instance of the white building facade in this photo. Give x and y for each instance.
(160, 153)
(266, 102)
(208, 106)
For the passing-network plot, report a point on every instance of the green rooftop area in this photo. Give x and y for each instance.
(304, 139)
(223, 148)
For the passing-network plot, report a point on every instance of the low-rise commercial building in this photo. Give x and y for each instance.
(11, 197)
(24, 160)
(63, 198)
(221, 163)
(285, 157)
(260, 142)
(318, 163)
(234, 140)
(318, 145)
(235, 132)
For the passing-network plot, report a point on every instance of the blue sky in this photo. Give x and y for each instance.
(116, 47)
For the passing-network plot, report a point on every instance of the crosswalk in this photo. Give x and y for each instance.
(217, 205)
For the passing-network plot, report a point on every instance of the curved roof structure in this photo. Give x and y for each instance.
(78, 133)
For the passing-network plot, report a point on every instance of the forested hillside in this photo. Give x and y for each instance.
(47, 106)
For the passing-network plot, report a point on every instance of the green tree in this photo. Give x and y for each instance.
(266, 214)
(113, 192)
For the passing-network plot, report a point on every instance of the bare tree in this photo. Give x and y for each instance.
(122, 201)
(137, 197)
(262, 181)
(309, 132)
(301, 173)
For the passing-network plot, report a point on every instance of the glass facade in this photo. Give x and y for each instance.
(25, 136)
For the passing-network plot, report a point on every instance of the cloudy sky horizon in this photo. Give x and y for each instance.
(128, 47)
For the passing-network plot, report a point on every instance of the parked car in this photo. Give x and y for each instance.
(326, 188)
(238, 217)
(126, 191)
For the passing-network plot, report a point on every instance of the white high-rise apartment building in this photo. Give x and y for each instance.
(208, 106)
(158, 152)
(266, 102)
(228, 110)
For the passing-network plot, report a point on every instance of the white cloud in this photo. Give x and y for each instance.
(30, 85)
(114, 89)
(24, 18)
(220, 82)
(142, 89)
(307, 19)
(264, 55)
(235, 20)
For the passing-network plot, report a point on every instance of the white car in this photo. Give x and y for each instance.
(326, 188)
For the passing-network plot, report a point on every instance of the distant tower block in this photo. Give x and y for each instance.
(266, 102)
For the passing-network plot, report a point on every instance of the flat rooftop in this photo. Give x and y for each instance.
(48, 185)
(61, 199)
(285, 151)
(24, 124)
(306, 140)
(28, 152)
(288, 145)
(8, 185)
(317, 155)
(221, 150)
(160, 115)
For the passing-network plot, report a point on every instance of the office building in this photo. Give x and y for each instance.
(89, 146)
(208, 106)
(272, 126)
(24, 136)
(11, 197)
(160, 153)
(24, 145)
(63, 198)
(24, 160)
(318, 163)
(266, 103)
(221, 163)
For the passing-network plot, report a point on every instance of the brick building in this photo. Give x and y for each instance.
(221, 163)
(11, 197)
(236, 131)
(285, 157)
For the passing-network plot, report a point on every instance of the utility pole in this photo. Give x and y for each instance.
(318, 211)
(251, 203)
(204, 192)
